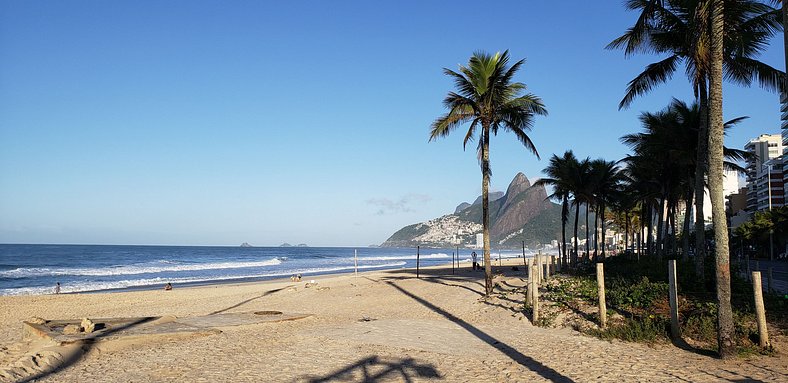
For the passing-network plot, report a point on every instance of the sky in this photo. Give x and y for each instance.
(217, 123)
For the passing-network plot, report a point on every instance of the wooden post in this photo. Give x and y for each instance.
(760, 312)
(748, 268)
(769, 288)
(539, 269)
(675, 329)
(417, 261)
(528, 273)
(534, 296)
(547, 268)
(559, 263)
(600, 282)
(355, 259)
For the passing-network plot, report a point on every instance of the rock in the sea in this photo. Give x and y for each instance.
(71, 329)
(87, 325)
(37, 320)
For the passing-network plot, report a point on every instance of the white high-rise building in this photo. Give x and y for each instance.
(731, 183)
(764, 148)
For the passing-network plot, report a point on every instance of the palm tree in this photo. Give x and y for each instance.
(579, 178)
(489, 100)
(606, 181)
(680, 28)
(725, 344)
(669, 143)
(560, 177)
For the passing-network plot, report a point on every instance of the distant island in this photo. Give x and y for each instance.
(246, 244)
(289, 245)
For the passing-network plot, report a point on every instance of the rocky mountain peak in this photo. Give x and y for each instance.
(518, 185)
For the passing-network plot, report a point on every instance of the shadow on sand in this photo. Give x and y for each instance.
(269, 292)
(524, 360)
(374, 369)
(77, 353)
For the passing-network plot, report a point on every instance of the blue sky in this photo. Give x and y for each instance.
(215, 123)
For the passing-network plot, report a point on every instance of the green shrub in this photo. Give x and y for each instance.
(648, 329)
(640, 295)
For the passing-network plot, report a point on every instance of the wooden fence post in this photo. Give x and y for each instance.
(760, 312)
(600, 281)
(675, 329)
(534, 296)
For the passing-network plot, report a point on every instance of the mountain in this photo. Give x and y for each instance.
(491, 196)
(523, 213)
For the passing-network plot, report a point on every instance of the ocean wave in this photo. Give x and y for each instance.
(26, 272)
(403, 257)
(82, 286)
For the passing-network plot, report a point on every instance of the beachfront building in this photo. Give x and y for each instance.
(769, 191)
(765, 148)
(731, 184)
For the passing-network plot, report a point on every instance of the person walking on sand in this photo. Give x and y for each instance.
(57, 288)
(473, 259)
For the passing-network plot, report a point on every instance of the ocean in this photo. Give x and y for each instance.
(35, 269)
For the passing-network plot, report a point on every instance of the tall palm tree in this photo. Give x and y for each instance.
(560, 177)
(487, 97)
(579, 178)
(725, 344)
(680, 28)
(606, 181)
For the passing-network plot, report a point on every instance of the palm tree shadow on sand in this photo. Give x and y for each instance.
(377, 369)
(524, 360)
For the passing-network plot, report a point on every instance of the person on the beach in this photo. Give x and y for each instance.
(168, 286)
(473, 258)
(57, 288)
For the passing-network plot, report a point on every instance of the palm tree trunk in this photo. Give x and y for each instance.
(660, 222)
(564, 217)
(650, 237)
(485, 208)
(596, 233)
(686, 228)
(588, 244)
(602, 234)
(673, 241)
(626, 230)
(577, 217)
(700, 185)
(727, 348)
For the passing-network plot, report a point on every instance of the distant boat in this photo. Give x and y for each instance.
(246, 244)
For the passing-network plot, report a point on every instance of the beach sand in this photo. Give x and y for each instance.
(377, 326)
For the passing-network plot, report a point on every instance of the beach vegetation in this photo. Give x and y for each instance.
(487, 99)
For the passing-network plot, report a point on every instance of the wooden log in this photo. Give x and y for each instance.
(600, 282)
(760, 312)
(675, 329)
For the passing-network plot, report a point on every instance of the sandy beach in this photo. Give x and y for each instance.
(376, 326)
